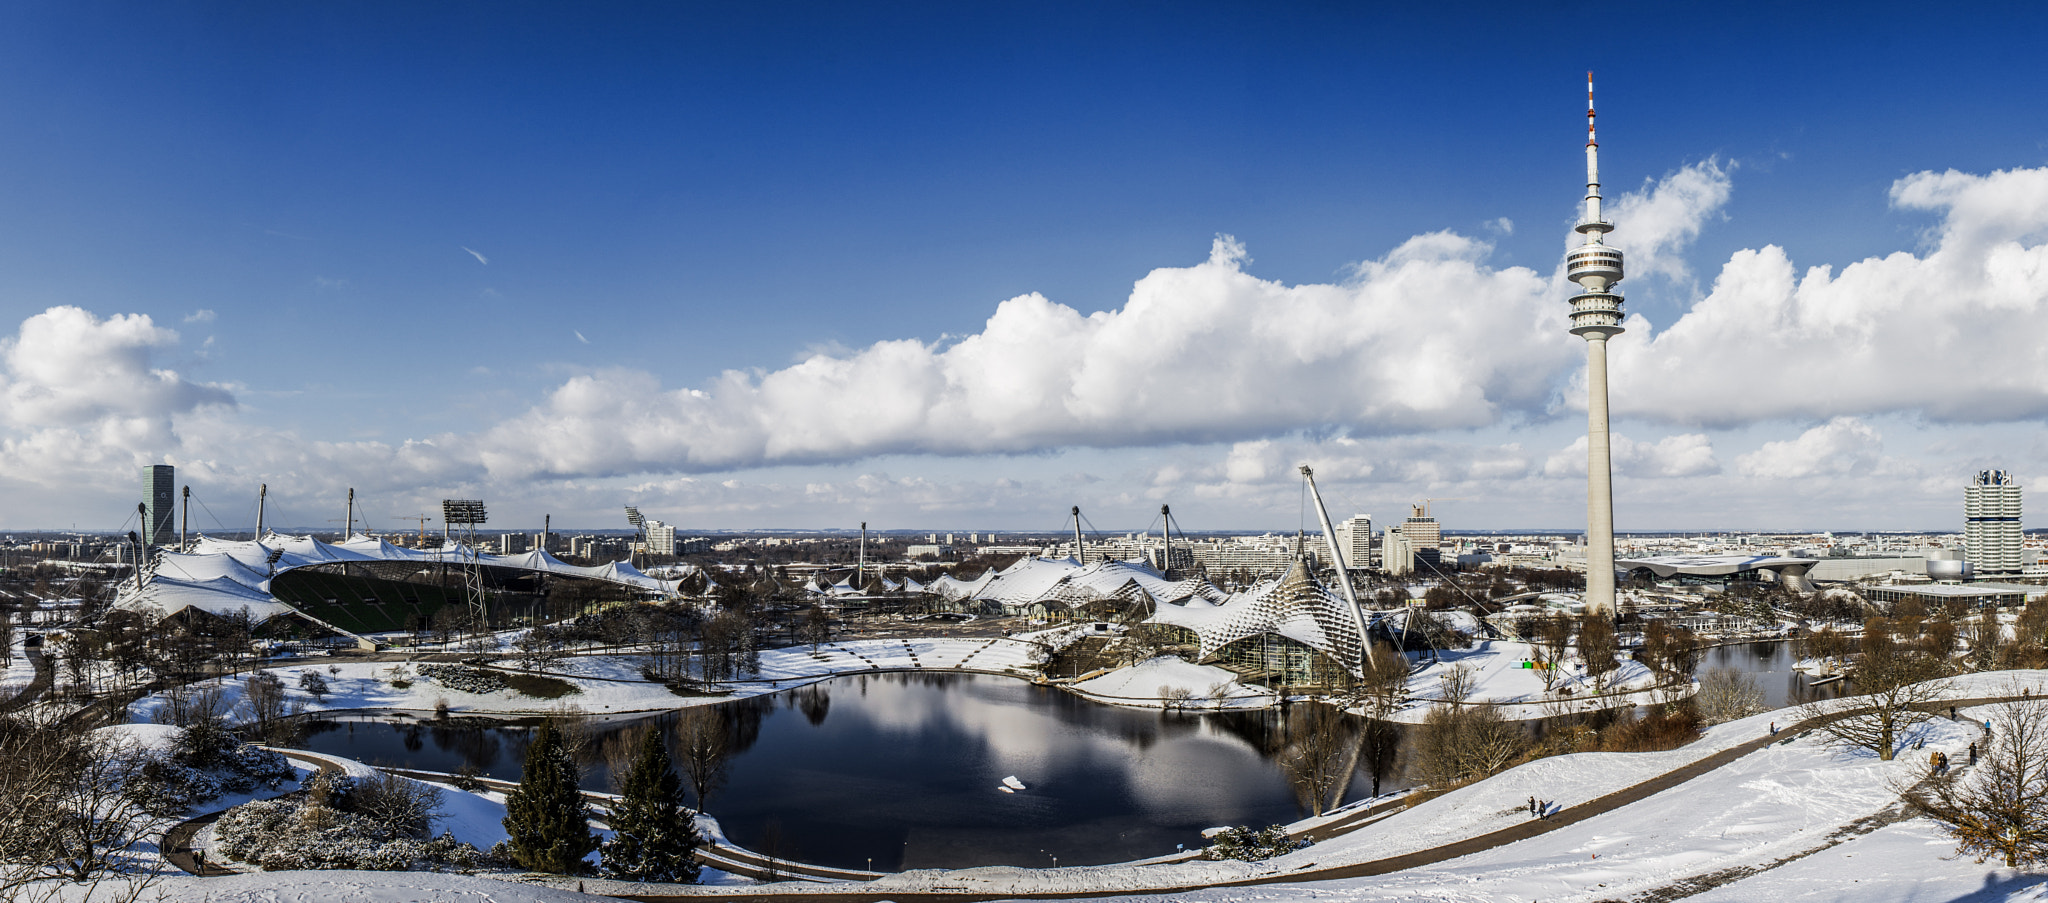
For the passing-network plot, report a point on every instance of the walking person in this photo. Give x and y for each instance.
(1532, 807)
(1973, 753)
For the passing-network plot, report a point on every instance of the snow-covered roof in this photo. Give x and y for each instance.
(1294, 606)
(239, 572)
(1064, 580)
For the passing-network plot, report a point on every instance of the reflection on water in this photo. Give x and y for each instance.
(1770, 664)
(904, 768)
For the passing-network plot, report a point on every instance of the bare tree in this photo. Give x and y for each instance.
(2000, 807)
(1901, 687)
(1318, 754)
(816, 629)
(540, 648)
(1597, 646)
(1174, 697)
(700, 748)
(1385, 682)
(67, 815)
(1455, 685)
(1727, 694)
(1553, 643)
(1456, 745)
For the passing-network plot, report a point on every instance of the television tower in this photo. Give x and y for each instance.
(1596, 316)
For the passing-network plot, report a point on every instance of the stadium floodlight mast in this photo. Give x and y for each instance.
(639, 524)
(465, 515)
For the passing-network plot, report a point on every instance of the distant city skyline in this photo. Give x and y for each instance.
(804, 266)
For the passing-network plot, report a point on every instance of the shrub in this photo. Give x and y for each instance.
(1251, 844)
(467, 680)
(205, 761)
(285, 834)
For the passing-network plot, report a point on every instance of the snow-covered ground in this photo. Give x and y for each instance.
(1499, 676)
(1783, 804)
(1145, 683)
(20, 671)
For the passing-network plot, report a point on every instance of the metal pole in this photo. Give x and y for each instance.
(860, 564)
(1337, 559)
(1080, 554)
(348, 529)
(185, 519)
(262, 496)
(142, 542)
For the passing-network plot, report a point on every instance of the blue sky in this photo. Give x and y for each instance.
(374, 224)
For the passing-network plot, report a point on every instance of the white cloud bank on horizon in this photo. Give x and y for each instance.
(1391, 364)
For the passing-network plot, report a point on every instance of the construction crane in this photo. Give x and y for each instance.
(422, 518)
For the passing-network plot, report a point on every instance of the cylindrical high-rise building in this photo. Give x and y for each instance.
(1596, 315)
(1991, 524)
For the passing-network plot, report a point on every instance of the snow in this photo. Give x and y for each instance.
(1498, 678)
(20, 671)
(1140, 685)
(1777, 812)
(351, 887)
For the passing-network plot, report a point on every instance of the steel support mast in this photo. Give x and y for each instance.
(1343, 572)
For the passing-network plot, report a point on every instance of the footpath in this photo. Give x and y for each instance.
(1309, 872)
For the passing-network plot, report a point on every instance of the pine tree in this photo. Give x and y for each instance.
(546, 818)
(652, 837)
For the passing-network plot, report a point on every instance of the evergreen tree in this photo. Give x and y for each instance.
(546, 817)
(652, 837)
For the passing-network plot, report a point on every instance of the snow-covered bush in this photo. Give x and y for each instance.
(205, 761)
(467, 680)
(319, 832)
(1252, 844)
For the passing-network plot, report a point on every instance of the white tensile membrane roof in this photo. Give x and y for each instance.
(223, 576)
(1294, 605)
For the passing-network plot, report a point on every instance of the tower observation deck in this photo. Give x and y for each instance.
(1596, 316)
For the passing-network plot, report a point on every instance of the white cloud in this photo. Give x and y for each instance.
(1843, 445)
(1951, 333)
(480, 258)
(69, 368)
(579, 337)
(1686, 455)
(1427, 337)
(1654, 225)
(201, 315)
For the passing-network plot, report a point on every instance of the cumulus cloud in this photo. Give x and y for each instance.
(78, 392)
(1657, 223)
(202, 315)
(67, 367)
(1686, 455)
(1843, 445)
(1428, 337)
(1950, 333)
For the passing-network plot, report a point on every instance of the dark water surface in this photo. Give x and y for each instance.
(902, 769)
(1770, 664)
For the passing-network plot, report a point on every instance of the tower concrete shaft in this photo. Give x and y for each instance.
(1596, 316)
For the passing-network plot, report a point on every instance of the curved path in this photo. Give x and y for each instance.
(177, 845)
(1523, 831)
(46, 675)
